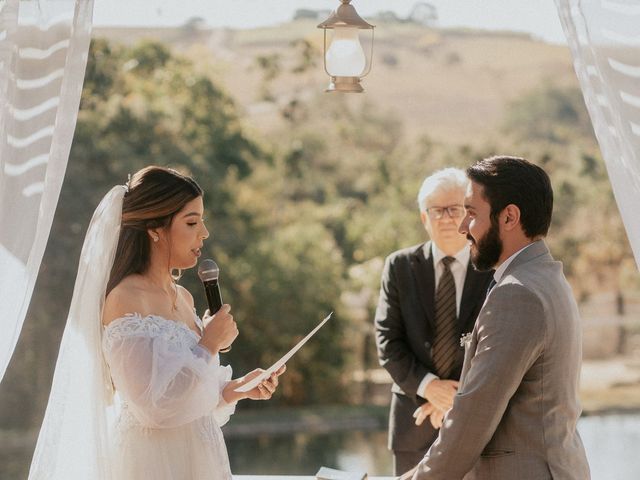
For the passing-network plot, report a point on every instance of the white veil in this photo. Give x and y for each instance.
(73, 441)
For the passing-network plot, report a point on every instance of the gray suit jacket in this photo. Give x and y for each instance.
(515, 413)
(405, 329)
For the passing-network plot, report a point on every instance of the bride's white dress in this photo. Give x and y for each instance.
(169, 406)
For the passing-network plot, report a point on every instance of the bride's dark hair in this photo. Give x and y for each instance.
(155, 195)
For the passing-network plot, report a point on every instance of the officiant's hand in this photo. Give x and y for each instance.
(436, 418)
(441, 392)
(220, 330)
(422, 412)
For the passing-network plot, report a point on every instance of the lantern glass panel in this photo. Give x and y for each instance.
(345, 56)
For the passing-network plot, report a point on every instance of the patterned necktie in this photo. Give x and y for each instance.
(445, 343)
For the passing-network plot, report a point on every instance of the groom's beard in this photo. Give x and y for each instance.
(488, 249)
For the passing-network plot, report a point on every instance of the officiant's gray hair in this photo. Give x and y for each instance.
(441, 180)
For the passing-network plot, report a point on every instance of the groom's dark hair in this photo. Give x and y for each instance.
(513, 180)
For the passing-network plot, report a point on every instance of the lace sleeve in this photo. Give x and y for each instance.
(165, 377)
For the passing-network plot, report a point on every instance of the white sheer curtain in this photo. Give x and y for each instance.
(43, 55)
(604, 37)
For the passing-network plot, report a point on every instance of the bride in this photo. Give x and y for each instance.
(138, 390)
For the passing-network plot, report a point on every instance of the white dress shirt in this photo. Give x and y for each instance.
(459, 271)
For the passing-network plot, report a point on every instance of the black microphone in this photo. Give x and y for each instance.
(209, 273)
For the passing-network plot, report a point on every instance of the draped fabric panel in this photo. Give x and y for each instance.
(604, 38)
(43, 55)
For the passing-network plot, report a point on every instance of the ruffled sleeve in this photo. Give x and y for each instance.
(161, 372)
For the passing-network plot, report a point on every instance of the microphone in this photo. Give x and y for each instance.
(209, 272)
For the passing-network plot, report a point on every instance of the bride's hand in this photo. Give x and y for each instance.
(264, 390)
(220, 330)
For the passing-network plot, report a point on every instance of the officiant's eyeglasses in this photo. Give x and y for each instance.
(454, 211)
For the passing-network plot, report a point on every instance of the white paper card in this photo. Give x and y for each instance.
(273, 368)
(332, 474)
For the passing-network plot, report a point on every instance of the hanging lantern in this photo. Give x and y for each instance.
(345, 60)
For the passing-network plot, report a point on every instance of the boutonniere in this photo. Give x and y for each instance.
(465, 339)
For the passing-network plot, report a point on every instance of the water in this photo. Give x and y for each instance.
(611, 442)
(304, 454)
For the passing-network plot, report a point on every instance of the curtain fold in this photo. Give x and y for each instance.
(43, 55)
(604, 38)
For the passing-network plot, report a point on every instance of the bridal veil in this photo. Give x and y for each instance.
(73, 442)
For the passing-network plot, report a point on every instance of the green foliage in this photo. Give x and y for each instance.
(587, 232)
(302, 220)
(269, 65)
(149, 57)
(307, 55)
(290, 279)
(144, 105)
(551, 114)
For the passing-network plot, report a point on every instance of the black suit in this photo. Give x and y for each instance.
(405, 329)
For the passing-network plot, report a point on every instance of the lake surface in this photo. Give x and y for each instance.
(612, 443)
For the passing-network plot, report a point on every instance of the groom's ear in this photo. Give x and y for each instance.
(510, 217)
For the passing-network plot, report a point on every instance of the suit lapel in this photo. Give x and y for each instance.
(423, 272)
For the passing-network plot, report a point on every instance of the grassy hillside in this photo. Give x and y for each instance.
(452, 85)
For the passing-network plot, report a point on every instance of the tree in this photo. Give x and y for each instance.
(587, 232)
(145, 105)
(550, 114)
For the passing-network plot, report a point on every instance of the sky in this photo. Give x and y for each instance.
(538, 17)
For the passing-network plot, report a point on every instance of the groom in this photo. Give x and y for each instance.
(515, 413)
